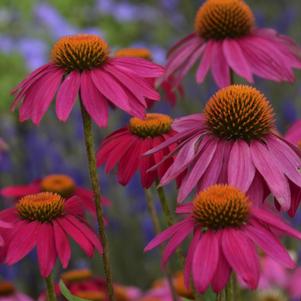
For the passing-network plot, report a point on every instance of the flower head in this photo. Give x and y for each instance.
(235, 141)
(61, 184)
(226, 38)
(81, 65)
(226, 229)
(124, 148)
(168, 86)
(45, 220)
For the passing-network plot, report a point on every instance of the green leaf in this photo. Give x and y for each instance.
(67, 294)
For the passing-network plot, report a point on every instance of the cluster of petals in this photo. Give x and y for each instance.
(259, 167)
(51, 239)
(120, 82)
(214, 254)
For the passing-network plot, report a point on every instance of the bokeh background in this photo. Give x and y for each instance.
(28, 28)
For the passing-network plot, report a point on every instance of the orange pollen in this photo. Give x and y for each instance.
(6, 289)
(221, 19)
(61, 184)
(181, 289)
(221, 206)
(142, 53)
(76, 275)
(153, 125)
(43, 207)
(239, 112)
(80, 52)
(120, 293)
(91, 295)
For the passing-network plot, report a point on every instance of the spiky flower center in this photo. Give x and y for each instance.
(6, 289)
(221, 206)
(91, 295)
(76, 275)
(80, 52)
(143, 53)
(151, 126)
(239, 112)
(61, 184)
(43, 207)
(221, 19)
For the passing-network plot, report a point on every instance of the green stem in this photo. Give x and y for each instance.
(230, 290)
(220, 296)
(50, 288)
(155, 220)
(87, 124)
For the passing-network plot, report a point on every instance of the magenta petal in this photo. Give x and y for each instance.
(176, 240)
(205, 260)
(275, 222)
(207, 150)
(269, 169)
(241, 255)
(269, 243)
(205, 63)
(77, 235)
(236, 59)
(222, 274)
(189, 257)
(61, 244)
(219, 65)
(167, 234)
(46, 249)
(241, 170)
(188, 123)
(19, 191)
(95, 104)
(22, 242)
(184, 209)
(66, 95)
(74, 206)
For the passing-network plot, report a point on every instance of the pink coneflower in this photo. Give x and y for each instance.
(45, 220)
(293, 134)
(225, 39)
(124, 148)
(80, 65)
(9, 293)
(226, 231)
(234, 141)
(169, 86)
(58, 183)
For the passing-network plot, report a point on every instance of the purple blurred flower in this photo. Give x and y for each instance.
(6, 44)
(51, 18)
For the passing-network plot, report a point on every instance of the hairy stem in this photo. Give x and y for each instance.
(87, 124)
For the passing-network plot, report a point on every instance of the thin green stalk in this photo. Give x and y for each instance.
(155, 220)
(87, 124)
(50, 288)
(220, 296)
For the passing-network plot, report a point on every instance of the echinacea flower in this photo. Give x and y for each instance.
(235, 141)
(226, 38)
(80, 65)
(124, 148)
(168, 85)
(45, 220)
(226, 229)
(8, 292)
(293, 134)
(62, 184)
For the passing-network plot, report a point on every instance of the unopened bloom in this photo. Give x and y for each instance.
(45, 221)
(169, 86)
(235, 141)
(125, 147)
(226, 230)
(80, 65)
(8, 292)
(62, 184)
(226, 38)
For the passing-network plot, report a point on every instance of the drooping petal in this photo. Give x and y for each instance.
(269, 169)
(61, 244)
(67, 95)
(93, 101)
(241, 255)
(19, 191)
(205, 260)
(205, 63)
(241, 170)
(46, 249)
